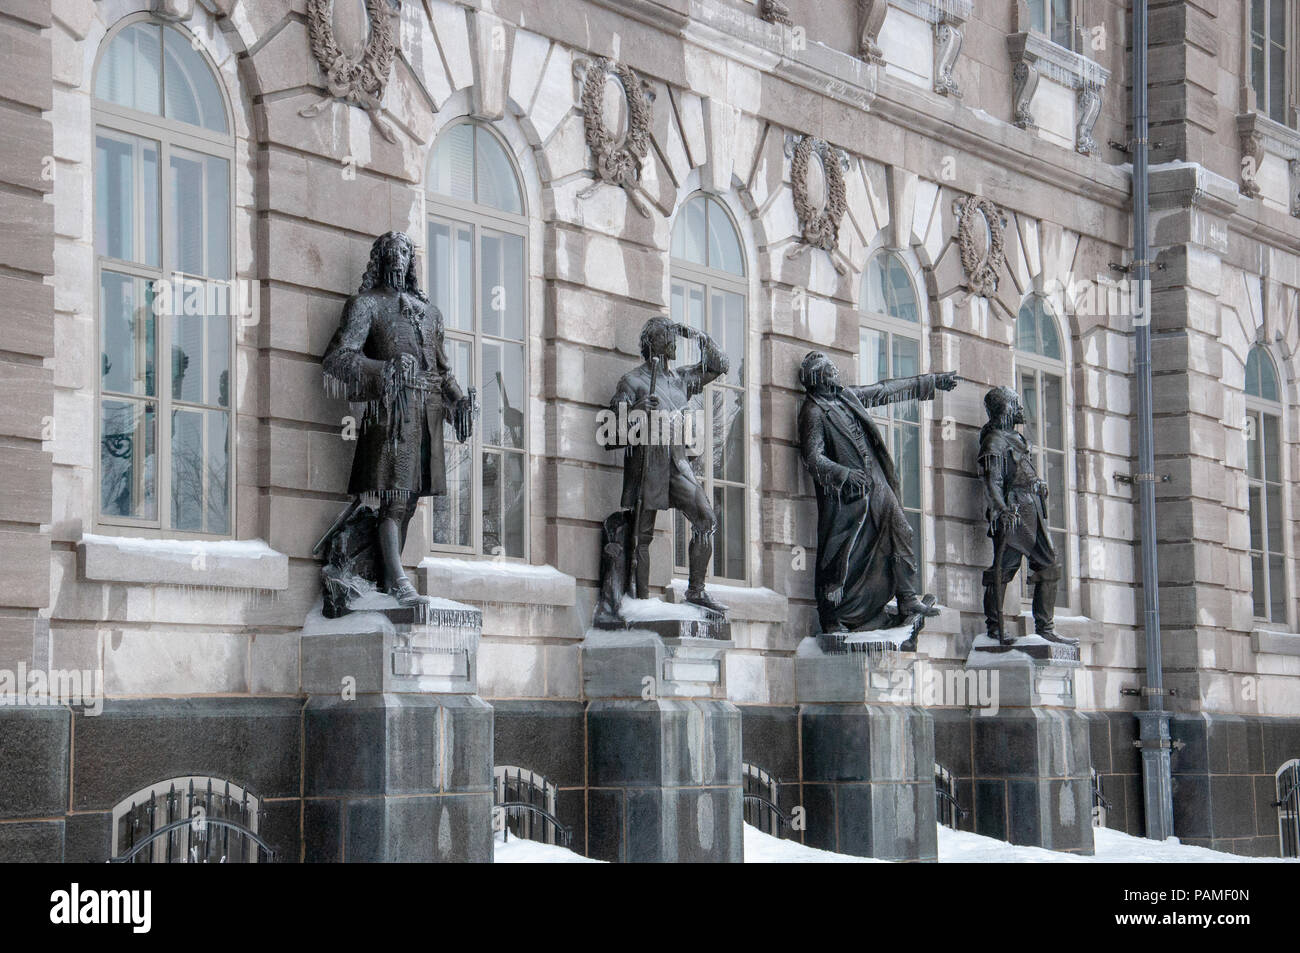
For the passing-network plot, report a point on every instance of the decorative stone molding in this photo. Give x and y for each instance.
(173, 10)
(1033, 55)
(618, 154)
(819, 218)
(1260, 137)
(948, 36)
(774, 11)
(871, 17)
(980, 225)
(361, 81)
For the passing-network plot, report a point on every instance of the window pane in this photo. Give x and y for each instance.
(873, 358)
(1053, 413)
(126, 335)
(187, 357)
(188, 464)
(492, 491)
(729, 539)
(1051, 346)
(1277, 589)
(728, 331)
(513, 504)
(1271, 446)
(907, 363)
(889, 288)
(218, 464)
(463, 313)
(218, 361)
(502, 292)
(439, 252)
(1258, 593)
(1029, 397)
(503, 394)
(1273, 506)
(451, 170)
(688, 232)
(200, 214)
(1277, 83)
(1055, 477)
(123, 165)
(128, 71)
(192, 94)
(497, 186)
(127, 449)
(1256, 517)
(1257, 76)
(907, 460)
(1063, 585)
(724, 243)
(728, 434)
(1027, 329)
(1257, 17)
(1253, 451)
(451, 513)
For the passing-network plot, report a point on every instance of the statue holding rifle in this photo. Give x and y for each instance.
(864, 542)
(1017, 516)
(657, 474)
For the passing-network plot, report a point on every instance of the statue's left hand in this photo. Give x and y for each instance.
(463, 418)
(946, 380)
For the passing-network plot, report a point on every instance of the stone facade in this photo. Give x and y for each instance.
(922, 130)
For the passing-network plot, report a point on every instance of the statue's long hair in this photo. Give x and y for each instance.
(1001, 404)
(380, 252)
(815, 371)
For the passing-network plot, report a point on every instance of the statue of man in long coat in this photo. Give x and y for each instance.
(388, 354)
(864, 541)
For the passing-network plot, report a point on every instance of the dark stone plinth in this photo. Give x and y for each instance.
(398, 777)
(664, 782)
(868, 780)
(718, 629)
(1032, 777)
(1031, 646)
(34, 747)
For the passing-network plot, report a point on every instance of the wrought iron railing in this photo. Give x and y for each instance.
(947, 809)
(760, 808)
(524, 805)
(1288, 807)
(208, 822)
(1101, 806)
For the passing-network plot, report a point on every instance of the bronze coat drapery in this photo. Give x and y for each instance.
(857, 534)
(400, 443)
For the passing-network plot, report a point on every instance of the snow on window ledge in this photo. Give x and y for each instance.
(208, 564)
(1274, 642)
(500, 581)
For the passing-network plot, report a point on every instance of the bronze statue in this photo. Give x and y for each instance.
(1017, 517)
(388, 354)
(864, 541)
(656, 472)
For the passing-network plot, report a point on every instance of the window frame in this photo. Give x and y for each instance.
(1289, 78)
(917, 331)
(713, 279)
(1049, 9)
(169, 134)
(1257, 407)
(1039, 365)
(477, 216)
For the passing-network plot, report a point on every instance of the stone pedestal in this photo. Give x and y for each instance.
(663, 748)
(868, 752)
(1031, 760)
(397, 744)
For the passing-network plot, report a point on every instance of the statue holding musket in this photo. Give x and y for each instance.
(657, 474)
(388, 355)
(1017, 516)
(864, 542)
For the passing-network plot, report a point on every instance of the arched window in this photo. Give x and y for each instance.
(163, 204)
(1040, 378)
(477, 250)
(889, 345)
(708, 290)
(1264, 478)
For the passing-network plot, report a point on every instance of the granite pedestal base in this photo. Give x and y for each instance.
(1031, 758)
(397, 744)
(663, 750)
(868, 755)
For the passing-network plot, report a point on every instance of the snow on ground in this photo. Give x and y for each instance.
(955, 847)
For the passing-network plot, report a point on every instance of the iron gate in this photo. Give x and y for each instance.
(1288, 807)
(191, 820)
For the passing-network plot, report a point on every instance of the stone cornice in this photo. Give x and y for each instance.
(1188, 185)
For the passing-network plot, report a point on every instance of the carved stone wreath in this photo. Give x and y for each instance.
(618, 162)
(982, 270)
(818, 227)
(360, 81)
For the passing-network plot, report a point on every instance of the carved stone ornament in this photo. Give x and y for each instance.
(774, 11)
(948, 35)
(819, 216)
(359, 81)
(618, 154)
(871, 17)
(980, 224)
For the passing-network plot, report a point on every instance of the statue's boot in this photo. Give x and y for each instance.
(993, 596)
(1044, 606)
(399, 584)
(698, 597)
(909, 605)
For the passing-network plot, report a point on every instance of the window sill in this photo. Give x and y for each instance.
(1272, 172)
(208, 564)
(1274, 642)
(1034, 55)
(479, 581)
(744, 603)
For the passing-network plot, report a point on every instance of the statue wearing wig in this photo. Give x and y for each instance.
(388, 355)
(864, 541)
(1017, 516)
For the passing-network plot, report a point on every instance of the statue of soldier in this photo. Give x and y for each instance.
(389, 355)
(1017, 516)
(864, 541)
(656, 472)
